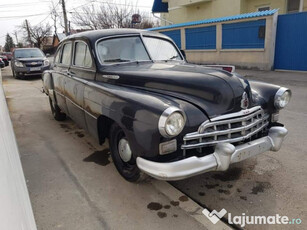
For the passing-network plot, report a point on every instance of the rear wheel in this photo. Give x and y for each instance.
(122, 156)
(56, 111)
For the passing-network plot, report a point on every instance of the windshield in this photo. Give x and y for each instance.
(127, 49)
(160, 49)
(28, 53)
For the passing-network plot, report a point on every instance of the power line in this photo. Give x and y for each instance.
(22, 4)
(22, 16)
(119, 4)
(54, 9)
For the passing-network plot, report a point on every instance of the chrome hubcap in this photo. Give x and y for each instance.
(124, 150)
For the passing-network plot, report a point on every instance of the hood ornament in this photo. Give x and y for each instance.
(244, 101)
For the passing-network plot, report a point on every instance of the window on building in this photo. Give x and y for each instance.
(293, 6)
(263, 8)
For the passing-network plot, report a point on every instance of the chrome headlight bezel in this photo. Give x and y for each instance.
(283, 95)
(18, 64)
(164, 118)
(46, 62)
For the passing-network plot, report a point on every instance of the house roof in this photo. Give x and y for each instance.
(47, 41)
(222, 19)
(159, 7)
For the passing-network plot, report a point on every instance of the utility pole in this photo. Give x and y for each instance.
(54, 13)
(29, 36)
(65, 17)
(15, 33)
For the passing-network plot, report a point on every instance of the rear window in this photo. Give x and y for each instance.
(57, 56)
(82, 55)
(28, 53)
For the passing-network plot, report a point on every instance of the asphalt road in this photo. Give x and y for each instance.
(72, 182)
(74, 185)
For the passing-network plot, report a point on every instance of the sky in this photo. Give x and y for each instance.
(14, 12)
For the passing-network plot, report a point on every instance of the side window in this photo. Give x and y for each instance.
(58, 55)
(66, 54)
(82, 55)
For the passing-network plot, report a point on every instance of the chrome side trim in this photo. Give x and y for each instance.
(114, 77)
(224, 155)
(79, 107)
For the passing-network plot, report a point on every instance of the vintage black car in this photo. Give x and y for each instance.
(162, 116)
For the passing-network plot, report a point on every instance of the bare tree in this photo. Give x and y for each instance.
(37, 33)
(108, 15)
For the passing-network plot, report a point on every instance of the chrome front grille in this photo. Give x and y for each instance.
(229, 128)
(34, 64)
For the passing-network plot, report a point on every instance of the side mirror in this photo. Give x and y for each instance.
(183, 53)
(47, 54)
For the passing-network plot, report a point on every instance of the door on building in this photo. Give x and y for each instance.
(291, 42)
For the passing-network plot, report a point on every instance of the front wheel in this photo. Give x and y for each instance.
(122, 156)
(14, 74)
(56, 111)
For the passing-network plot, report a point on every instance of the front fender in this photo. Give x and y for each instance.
(263, 94)
(138, 112)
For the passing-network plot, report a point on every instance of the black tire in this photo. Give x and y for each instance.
(56, 111)
(14, 74)
(127, 170)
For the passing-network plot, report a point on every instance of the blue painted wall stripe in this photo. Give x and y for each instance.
(242, 35)
(175, 35)
(291, 42)
(201, 38)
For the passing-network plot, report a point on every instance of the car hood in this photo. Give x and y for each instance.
(30, 59)
(213, 91)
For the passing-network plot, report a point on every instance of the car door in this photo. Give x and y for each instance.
(80, 72)
(60, 73)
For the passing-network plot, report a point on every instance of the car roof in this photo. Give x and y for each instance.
(94, 35)
(26, 48)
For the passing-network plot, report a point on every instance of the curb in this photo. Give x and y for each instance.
(192, 209)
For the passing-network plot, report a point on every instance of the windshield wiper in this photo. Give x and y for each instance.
(172, 58)
(117, 60)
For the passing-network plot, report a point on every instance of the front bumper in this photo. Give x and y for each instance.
(224, 155)
(25, 71)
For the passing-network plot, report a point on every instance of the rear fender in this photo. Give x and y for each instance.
(48, 84)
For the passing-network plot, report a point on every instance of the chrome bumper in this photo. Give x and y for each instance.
(224, 155)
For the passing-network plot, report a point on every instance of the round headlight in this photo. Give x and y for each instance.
(46, 62)
(282, 98)
(18, 64)
(171, 122)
